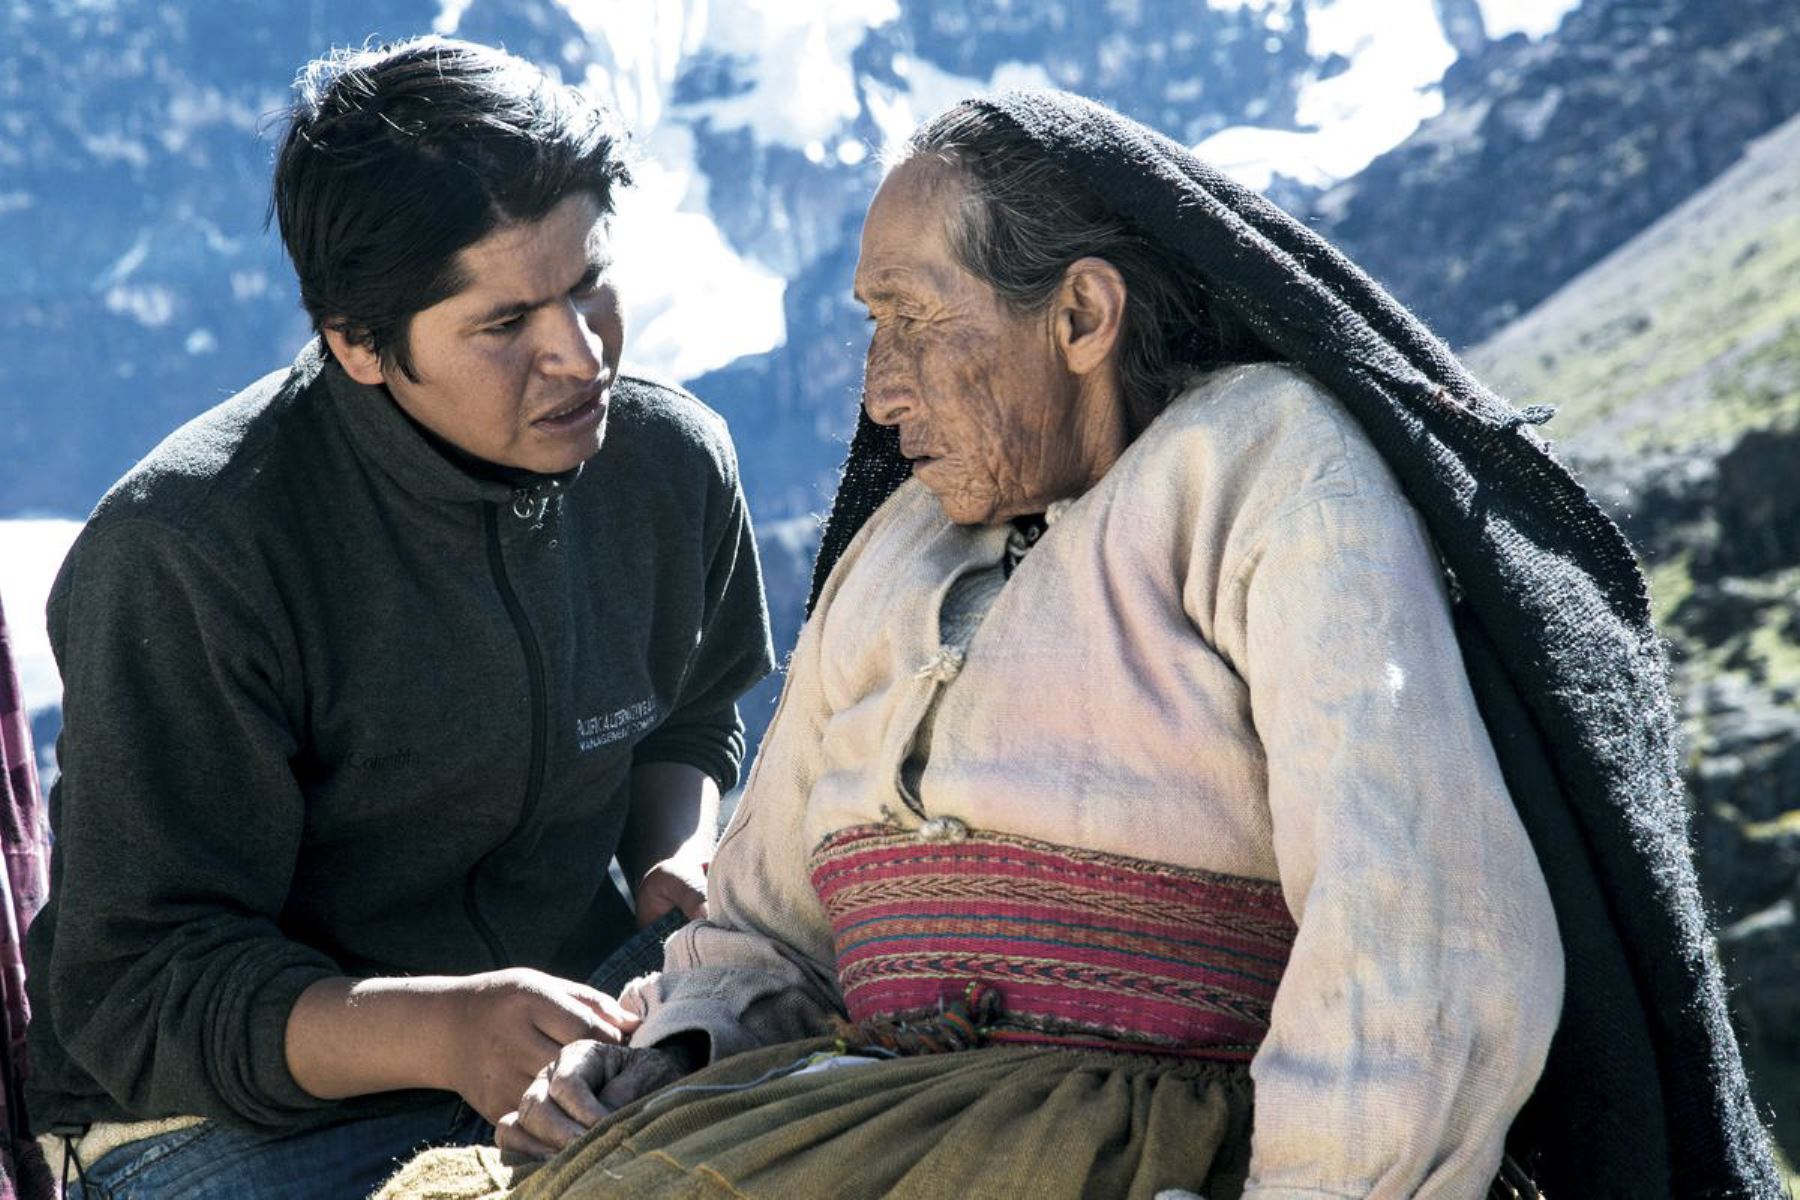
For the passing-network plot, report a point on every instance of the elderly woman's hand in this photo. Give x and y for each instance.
(587, 1082)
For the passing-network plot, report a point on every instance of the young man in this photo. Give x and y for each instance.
(371, 669)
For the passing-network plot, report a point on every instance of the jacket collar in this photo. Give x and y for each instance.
(419, 462)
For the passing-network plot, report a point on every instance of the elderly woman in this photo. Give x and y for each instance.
(1128, 768)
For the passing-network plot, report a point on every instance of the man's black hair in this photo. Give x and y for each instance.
(397, 158)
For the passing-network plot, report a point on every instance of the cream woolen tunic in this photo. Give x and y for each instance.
(1233, 653)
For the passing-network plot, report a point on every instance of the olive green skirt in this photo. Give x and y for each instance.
(999, 1122)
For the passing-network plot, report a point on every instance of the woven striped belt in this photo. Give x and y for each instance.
(1065, 947)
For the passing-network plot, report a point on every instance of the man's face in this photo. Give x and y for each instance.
(981, 396)
(517, 367)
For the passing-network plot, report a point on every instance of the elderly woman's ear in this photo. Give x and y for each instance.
(1090, 314)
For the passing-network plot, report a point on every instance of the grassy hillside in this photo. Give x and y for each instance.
(1684, 337)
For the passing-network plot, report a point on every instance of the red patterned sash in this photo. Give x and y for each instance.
(1085, 949)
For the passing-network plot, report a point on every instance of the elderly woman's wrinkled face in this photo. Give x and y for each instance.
(985, 406)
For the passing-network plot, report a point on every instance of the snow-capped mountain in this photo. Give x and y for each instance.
(135, 138)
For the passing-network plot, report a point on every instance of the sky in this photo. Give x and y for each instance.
(803, 95)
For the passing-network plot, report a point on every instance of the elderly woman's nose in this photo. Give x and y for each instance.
(887, 383)
(885, 402)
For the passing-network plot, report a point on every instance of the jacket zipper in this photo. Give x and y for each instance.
(534, 673)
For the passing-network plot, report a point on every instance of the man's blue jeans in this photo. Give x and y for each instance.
(346, 1161)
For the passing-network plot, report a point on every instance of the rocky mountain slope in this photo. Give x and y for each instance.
(1676, 365)
(1550, 154)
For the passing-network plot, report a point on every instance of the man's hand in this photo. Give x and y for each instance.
(482, 1036)
(588, 1081)
(671, 883)
(508, 1025)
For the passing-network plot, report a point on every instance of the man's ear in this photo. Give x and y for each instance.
(359, 361)
(1090, 314)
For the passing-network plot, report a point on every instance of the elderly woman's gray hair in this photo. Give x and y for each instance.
(1024, 220)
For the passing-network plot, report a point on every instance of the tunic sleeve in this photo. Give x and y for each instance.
(759, 969)
(1426, 980)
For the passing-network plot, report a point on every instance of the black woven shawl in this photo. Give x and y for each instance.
(1644, 1093)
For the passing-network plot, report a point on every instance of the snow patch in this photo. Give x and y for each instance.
(1533, 18)
(798, 58)
(1397, 54)
(677, 276)
(150, 305)
(794, 54)
(32, 549)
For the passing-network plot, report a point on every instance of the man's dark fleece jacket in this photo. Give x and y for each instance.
(337, 704)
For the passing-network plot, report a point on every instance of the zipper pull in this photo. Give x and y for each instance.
(530, 504)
